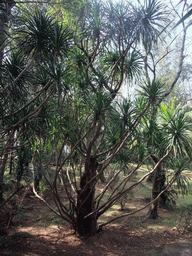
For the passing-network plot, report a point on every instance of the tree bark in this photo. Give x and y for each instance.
(86, 201)
(2, 171)
(11, 165)
(153, 212)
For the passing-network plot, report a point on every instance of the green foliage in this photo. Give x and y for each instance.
(153, 20)
(40, 33)
(178, 133)
(24, 157)
(134, 65)
(18, 91)
(127, 113)
(167, 111)
(179, 164)
(153, 91)
(60, 39)
(36, 32)
(102, 102)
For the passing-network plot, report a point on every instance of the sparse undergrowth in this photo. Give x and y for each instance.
(34, 229)
(40, 232)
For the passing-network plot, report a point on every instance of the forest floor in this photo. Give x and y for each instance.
(37, 231)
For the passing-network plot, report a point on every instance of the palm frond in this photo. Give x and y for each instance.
(153, 18)
(179, 164)
(60, 39)
(153, 91)
(101, 103)
(12, 67)
(187, 15)
(178, 133)
(134, 64)
(126, 112)
(35, 32)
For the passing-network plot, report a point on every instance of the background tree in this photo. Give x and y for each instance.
(23, 92)
(155, 88)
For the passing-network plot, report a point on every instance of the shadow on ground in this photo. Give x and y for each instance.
(52, 240)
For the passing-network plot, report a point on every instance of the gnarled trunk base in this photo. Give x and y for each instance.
(85, 202)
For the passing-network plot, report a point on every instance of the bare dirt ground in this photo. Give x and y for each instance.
(38, 232)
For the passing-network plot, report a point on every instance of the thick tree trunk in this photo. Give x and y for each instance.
(86, 226)
(158, 186)
(86, 202)
(153, 214)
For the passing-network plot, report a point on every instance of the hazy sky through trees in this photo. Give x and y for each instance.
(178, 5)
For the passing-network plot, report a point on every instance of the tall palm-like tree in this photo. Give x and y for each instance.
(155, 90)
(153, 20)
(94, 139)
(95, 130)
(30, 76)
(172, 130)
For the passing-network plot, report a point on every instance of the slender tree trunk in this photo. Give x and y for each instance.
(86, 201)
(153, 212)
(37, 178)
(3, 162)
(2, 171)
(11, 166)
(38, 173)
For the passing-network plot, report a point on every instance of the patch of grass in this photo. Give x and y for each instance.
(142, 191)
(171, 220)
(184, 201)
